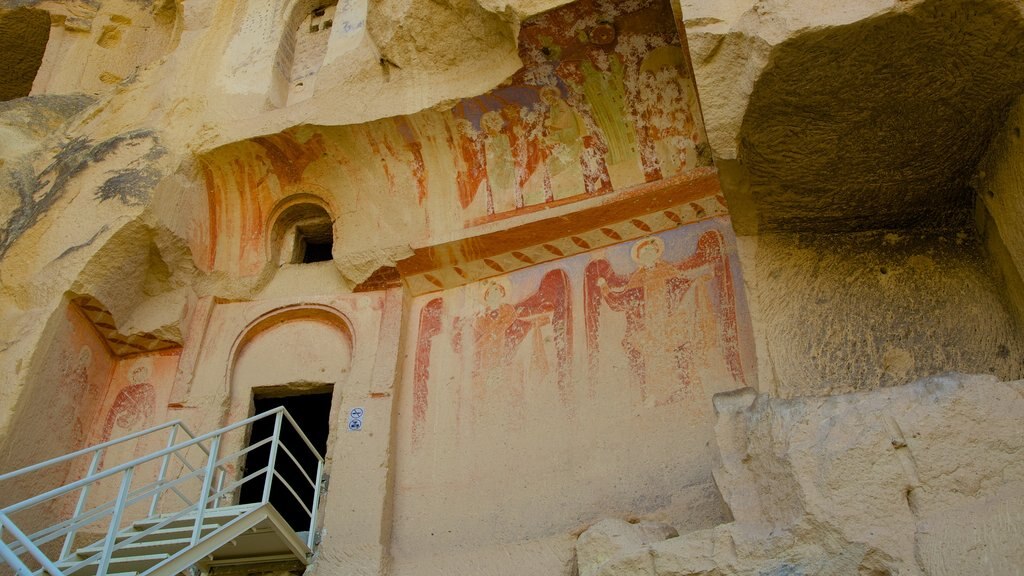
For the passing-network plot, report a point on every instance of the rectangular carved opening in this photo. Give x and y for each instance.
(311, 409)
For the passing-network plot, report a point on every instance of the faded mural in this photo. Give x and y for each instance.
(136, 399)
(502, 344)
(690, 334)
(512, 337)
(603, 103)
(86, 396)
(557, 369)
(81, 372)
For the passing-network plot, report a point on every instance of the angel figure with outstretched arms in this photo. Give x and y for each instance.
(680, 317)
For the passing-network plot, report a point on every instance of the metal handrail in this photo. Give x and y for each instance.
(212, 476)
(72, 524)
(131, 464)
(91, 449)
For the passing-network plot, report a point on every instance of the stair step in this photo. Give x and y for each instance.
(161, 546)
(165, 533)
(212, 516)
(117, 564)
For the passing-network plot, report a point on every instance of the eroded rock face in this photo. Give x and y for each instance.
(853, 116)
(916, 479)
(845, 312)
(559, 147)
(611, 537)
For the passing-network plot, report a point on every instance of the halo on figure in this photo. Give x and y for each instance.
(550, 94)
(85, 356)
(655, 241)
(500, 284)
(139, 374)
(492, 121)
(465, 128)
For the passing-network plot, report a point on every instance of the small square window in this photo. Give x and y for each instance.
(314, 241)
(316, 252)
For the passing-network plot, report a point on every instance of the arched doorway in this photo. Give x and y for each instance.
(296, 358)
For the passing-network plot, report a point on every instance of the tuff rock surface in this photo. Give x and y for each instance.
(924, 478)
(852, 115)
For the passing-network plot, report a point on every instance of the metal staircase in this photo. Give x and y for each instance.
(176, 507)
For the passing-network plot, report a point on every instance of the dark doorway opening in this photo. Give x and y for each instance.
(314, 239)
(311, 412)
(317, 251)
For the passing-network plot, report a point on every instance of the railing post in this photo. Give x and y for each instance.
(272, 461)
(163, 472)
(13, 561)
(32, 549)
(220, 486)
(115, 522)
(316, 502)
(204, 496)
(69, 540)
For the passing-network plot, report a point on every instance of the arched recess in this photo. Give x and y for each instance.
(297, 345)
(304, 41)
(300, 230)
(279, 360)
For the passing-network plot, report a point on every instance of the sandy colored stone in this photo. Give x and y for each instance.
(837, 218)
(998, 184)
(610, 538)
(24, 34)
(843, 312)
(846, 115)
(904, 480)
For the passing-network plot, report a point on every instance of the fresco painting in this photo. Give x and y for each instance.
(604, 103)
(83, 368)
(133, 405)
(89, 396)
(651, 329)
(596, 107)
(136, 399)
(690, 334)
(503, 348)
(506, 338)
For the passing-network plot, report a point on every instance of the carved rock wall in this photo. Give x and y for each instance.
(999, 183)
(843, 312)
(847, 135)
(915, 479)
(547, 257)
(853, 116)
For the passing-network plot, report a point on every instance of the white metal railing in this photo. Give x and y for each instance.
(18, 547)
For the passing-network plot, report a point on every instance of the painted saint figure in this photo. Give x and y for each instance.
(471, 173)
(509, 350)
(502, 359)
(501, 169)
(77, 394)
(690, 333)
(133, 405)
(564, 132)
(670, 131)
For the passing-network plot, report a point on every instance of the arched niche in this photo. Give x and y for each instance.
(301, 230)
(303, 45)
(301, 346)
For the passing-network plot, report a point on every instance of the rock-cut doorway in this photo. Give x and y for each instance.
(311, 409)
